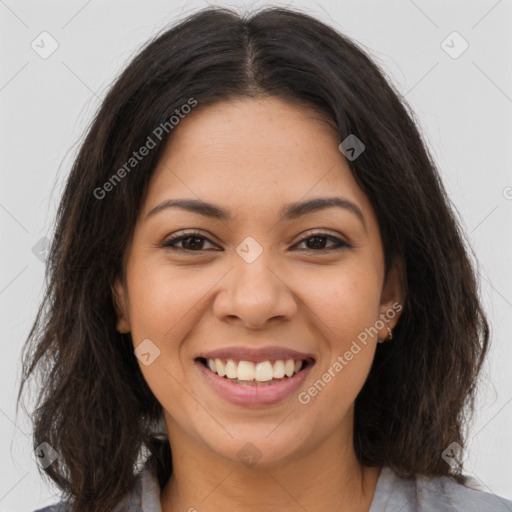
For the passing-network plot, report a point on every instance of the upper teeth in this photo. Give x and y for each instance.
(247, 370)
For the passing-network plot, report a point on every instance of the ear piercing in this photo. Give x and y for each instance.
(390, 335)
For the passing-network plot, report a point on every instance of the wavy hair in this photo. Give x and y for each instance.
(94, 406)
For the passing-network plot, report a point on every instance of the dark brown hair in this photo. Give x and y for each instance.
(94, 406)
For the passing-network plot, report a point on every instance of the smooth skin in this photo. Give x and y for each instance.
(252, 157)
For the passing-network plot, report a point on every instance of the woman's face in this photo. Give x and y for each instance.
(268, 280)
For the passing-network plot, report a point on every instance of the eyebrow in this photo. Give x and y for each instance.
(287, 212)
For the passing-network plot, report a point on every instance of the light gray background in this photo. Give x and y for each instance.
(463, 106)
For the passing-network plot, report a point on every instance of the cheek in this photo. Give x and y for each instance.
(338, 302)
(344, 301)
(165, 305)
(343, 311)
(164, 300)
(343, 307)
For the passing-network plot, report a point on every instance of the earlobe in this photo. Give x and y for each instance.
(120, 306)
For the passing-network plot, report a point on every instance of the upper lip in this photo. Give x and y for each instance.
(256, 354)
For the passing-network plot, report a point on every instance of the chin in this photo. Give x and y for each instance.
(259, 448)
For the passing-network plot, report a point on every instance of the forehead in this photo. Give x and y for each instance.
(250, 154)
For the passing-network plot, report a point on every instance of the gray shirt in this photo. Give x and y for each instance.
(392, 494)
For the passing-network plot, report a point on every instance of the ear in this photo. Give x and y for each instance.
(120, 304)
(392, 298)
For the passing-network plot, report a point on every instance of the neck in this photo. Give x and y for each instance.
(328, 477)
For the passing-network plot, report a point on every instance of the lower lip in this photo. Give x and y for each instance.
(253, 395)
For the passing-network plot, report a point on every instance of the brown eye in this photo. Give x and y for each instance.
(192, 242)
(317, 242)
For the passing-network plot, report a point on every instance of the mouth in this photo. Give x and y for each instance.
(256, 373)
(254, 383)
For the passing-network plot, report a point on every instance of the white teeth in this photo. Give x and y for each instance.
(262, 371)
(289, 367)
(231, 369)
(220, 368)
(245, 370)
(279, 369)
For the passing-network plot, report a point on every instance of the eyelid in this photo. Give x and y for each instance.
(340, 243)
(181, 235)
(321, 232)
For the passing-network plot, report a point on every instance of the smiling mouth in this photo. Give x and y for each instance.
(262, 373)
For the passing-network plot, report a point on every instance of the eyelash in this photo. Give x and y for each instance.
(169, 243)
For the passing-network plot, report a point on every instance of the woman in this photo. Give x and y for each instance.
(259, 297)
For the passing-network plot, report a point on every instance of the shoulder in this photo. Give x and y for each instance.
(144, 496)
(445, 492)
(439, 494)
(57, 507)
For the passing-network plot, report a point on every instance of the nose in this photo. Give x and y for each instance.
(254, 294)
